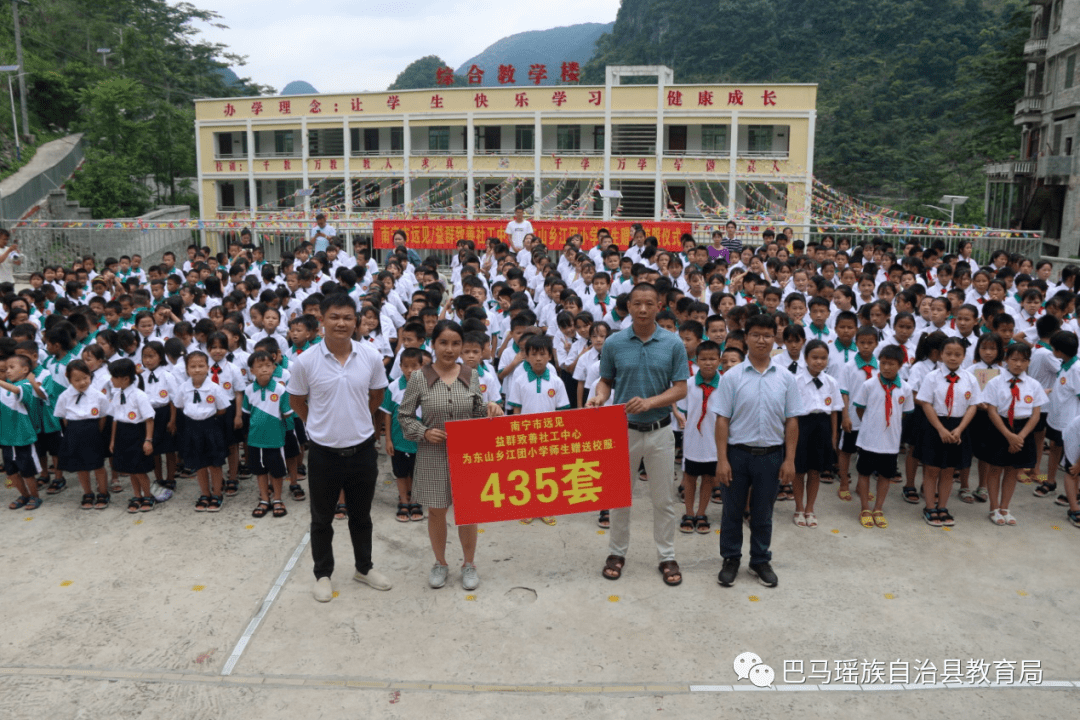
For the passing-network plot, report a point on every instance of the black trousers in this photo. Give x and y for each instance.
(328, 473)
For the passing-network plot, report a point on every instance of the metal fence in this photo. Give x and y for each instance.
(33, 190)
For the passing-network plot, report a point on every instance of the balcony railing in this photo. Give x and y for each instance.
(1029, 105)
(1013, 167)
(1035, 48)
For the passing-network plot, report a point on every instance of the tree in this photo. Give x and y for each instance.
(109, 185)
(421, 74)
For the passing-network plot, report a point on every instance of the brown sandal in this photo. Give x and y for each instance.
(614, 564)
(670, 568)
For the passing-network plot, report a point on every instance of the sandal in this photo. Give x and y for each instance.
(669, 569)
(686, 526)
(866, 519)
(787, 492)
(231, 487)
(402, 514)
(911, 495)
(844, 495)
(1063, 501)
(811, 520)
(604, 520)
(202, 503)
(279, 509)
(1005, 515)
(101, 501)
(261, 509)
(147, 504)
(215, 504)
(134, 504)
(297, 492)
(799, 519)
(1074, 517)
(930, 515)
(946, 517)
(340, 511)
(997, 518)
(33, 502)
(549, 521)
(717, 495)
(966, 496)
(1044, 489)
(168, 484)
(879, 519)
(526, 521)
(19, 502)
(87, 502)
(416, 512)
(613, 567)
(42, 480)
(56, 486)
(701, 525)
(826, 478)
(1025, 478)
(981, 494)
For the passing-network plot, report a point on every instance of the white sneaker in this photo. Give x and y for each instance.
(373, 578)
(324, 590)
(437, 576)
(470, 578)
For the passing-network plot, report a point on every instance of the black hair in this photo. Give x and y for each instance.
(1065, 343)
(79, 365)
(892, 352)
(811, 345)
(1018, 349)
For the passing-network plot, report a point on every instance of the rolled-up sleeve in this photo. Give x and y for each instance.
(411, 426)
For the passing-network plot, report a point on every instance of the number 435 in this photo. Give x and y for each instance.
(545, 487)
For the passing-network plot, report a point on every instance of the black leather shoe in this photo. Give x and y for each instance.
(728, 572)
(765, 574)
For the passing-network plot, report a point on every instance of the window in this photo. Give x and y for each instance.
(1070, 71)
(1056, 17)
(283, 142)
(397, 195)
(285, 192)
(714, 139)
(568, 138)
(439, 139)
(228, 195)
(760, 138)
(1068, 145)
(397, 140)
(598, 138)
(371, 140)
(524, 138)
(1055, 138)
(523, 193)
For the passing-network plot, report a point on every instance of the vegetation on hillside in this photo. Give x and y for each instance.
(136, 108)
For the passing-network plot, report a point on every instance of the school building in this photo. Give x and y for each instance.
(694, 151)
(1040, 188)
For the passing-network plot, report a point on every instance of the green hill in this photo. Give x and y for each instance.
(914, 96)
(572, 43)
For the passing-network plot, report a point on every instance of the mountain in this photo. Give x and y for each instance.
(914, 96)
(299, 87)
(572, 43)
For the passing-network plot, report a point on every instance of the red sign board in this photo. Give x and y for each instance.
(523, 466)
(444, 234)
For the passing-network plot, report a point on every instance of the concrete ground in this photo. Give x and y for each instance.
(129, 616)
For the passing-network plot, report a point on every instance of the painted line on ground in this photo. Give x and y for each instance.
(230, 664)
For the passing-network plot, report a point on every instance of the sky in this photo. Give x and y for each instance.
(346, 46)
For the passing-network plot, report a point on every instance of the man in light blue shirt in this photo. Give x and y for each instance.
(757, 407)
(322, 233)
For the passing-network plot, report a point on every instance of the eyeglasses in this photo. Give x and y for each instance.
(761, 338)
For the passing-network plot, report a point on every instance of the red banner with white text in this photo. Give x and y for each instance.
(444, 234)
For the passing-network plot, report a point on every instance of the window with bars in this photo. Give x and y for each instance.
(715, 139)
(439, 138)
(568, 138)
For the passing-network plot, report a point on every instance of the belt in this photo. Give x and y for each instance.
(347, 451)
(757, 450)
(649, 427)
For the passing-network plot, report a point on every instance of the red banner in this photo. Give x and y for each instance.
(444, 234)
(523, 466)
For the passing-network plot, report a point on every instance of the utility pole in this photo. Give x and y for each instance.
(22, 66)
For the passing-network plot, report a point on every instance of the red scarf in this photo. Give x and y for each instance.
(706, 391)
(951, 378)
(1014, 384)
(214, 374)
(888, 388)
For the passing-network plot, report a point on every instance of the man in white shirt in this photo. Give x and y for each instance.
(321, 233)
(517, 229)
(9, 257)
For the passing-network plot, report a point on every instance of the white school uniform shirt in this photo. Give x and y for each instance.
(585, 360)
(919, 371)
(854, 377)
(239, 358)
(699, 435)
(211, 399)
(839, 357)
(885, 335)
(874, 434)
(131, 405)
(74, 405)
(972, 297)
(490, 387)
(948, 328)
(564, 356)
(969, 352)
(826, 399)
(935, 388)
(1065, 395)
(998, 392)
(783, 361)
(380, 343)
(537, 395)
(161, 387)
(231, 380)
(1070, 438)
(1045, 368)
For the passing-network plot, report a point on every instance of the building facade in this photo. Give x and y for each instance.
(694, 151)
(1040, 189)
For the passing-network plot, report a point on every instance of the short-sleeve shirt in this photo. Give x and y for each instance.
(643, 368)
(998, 392)
(533, 393)
(824, 399)
(322, 243)
(339, 415)
(517, 232)
(699, 435)
(267, 407)
(210, 400)
(160, 386)
(391, 400)
(131, 405)
(934, 389)
(755, 403)
(878, 433)
(490, 387)
(1064, 395)
(75, 405)
(16, 425)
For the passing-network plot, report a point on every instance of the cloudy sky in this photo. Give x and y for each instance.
(345, 45)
